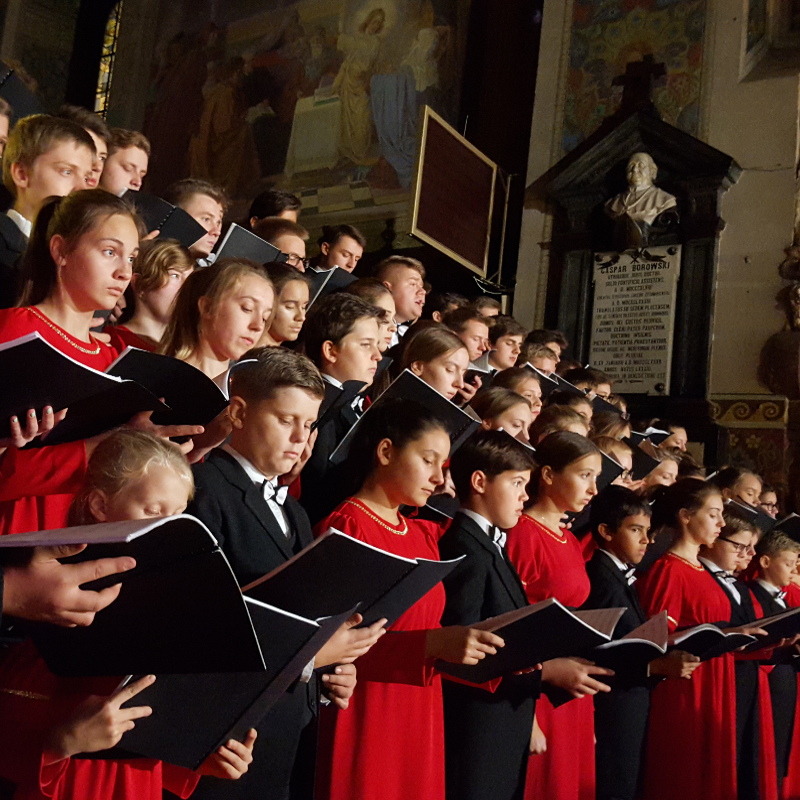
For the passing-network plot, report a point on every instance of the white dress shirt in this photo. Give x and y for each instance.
(496, 534)
(622, 567)
(729, 585)
(775, 591)
(258, 479)
(25, 225)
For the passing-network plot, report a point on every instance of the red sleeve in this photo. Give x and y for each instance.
(522, 549)
(179, 780)
(51, 775)
(42, 471)
(28, 712)
(661, 590)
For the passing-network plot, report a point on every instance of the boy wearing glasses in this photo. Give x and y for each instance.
(289, 237)
(620, 522)
(729, 555)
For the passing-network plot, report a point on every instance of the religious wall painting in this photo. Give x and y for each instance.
(319, 97)
(608, 34)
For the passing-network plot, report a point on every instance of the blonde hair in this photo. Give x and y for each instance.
(36, 135)
(183, 333)
(123, 457)
(154, 261)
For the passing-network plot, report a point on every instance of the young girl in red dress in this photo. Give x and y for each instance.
(691, 748)
(159, 271)
(78, 261)
(390, 743)
(48, 720)
(550, 563)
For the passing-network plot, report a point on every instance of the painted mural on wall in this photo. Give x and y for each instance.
(607, 34)
(315, 93)
(42, 46)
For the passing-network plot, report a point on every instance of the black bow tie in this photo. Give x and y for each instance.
(498, 536)
(726, 576)
(780, 595)
(629, 574)
(274, 492)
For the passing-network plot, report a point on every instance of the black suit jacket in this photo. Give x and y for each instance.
(324, 485)
(12, 245)
(782, 686)
(234, 510)
(747, 748)
(610, 589)
(485, 583)
(620, 715)
(486, 733)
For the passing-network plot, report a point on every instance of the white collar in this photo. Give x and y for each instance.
(25, 225)
(770, 587)
(617, 563)
(479, 520)
(254, 474)
(711, 565)
(332, 381)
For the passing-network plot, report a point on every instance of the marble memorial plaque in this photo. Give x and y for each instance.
(633, 318)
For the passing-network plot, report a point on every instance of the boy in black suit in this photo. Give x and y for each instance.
(487, 733)
(735, 543)
(274, 402)
(341, 336)
(777, 559)
(620, 523)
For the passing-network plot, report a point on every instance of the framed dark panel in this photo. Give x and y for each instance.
(453, 194)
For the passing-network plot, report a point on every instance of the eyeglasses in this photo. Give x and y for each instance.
(740, 548)
(765, 506)
(293, 260)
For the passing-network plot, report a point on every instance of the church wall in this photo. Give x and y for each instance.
(754, 121)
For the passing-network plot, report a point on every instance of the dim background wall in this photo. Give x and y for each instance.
(724, 86)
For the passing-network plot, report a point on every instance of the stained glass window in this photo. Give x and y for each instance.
(107, 60)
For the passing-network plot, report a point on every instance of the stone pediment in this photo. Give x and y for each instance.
(594, 170)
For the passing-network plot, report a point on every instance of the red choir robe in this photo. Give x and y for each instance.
(32, 702)
(389, 743)
(552, 565)
(37, 486)
(588, 547)
(691, 746)
(122, 337)
(791, 783)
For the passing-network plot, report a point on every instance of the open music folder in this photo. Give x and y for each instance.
(535, 634)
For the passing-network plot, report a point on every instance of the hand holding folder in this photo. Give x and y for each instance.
(536, 634)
